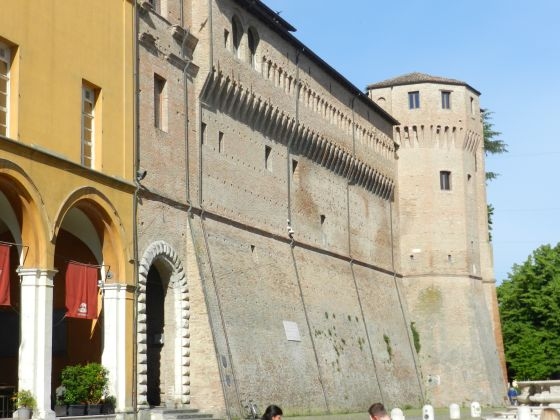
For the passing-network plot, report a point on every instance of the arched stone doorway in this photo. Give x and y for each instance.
(163, 329)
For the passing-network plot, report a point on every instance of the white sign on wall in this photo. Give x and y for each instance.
(292, 331)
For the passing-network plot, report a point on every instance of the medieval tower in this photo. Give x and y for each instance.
(445, 253)
(261, 229)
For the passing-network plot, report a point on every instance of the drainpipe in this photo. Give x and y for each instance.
(206, 245)
(408, 334)
(186, 106)
(136, 167)
(351, 182)
(292, 243)
(289, 145)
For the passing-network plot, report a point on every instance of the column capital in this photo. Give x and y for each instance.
(33, 276)
(118, 287)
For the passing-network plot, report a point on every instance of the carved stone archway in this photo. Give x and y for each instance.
(163, 254)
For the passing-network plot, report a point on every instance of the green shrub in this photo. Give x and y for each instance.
(24, 398)
(415, 337)
(84, 384)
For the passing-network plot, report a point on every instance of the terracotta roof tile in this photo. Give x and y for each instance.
(416, 77)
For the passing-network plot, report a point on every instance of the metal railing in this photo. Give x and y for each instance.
(6, 403)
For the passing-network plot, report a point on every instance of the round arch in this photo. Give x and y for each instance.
(25, 217)
(106, 221)
(163, 255)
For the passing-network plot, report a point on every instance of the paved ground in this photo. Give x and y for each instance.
(412, 414)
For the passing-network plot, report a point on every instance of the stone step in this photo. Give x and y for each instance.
(185, 414)
(179, 414)
(191, 416)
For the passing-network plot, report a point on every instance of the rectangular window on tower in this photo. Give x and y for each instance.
(445, 99)
(445, 180)
(413, 100)
(5, 58)
(89, 98)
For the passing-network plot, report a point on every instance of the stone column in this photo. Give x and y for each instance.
(35, 351)
(114, 339)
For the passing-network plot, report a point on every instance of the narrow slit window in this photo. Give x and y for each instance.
(323, 219)
(160, 103)
(226, 39)
(202, 133)
(220, 142)
(445, 180)
(267, 158)
(295, 171)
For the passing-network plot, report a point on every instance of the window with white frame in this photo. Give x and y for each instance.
(88, 126)
(4, 89)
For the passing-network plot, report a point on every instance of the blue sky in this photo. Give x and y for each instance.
(507, 49)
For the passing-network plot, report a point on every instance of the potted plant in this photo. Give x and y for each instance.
(84, 385)
(25, 403)
(95, 377)
(75, 390)
(109, 404)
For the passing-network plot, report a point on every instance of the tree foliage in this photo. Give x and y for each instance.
(529, 302)
(492, 145)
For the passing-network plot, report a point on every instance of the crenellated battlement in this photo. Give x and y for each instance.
(437, 136)
(283, 79)
(233, 98)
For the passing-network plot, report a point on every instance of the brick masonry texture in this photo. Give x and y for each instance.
(256, 144)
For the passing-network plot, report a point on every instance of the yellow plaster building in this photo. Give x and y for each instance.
(66, 189)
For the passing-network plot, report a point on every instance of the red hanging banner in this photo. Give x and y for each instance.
(5, 275)
(81, 291)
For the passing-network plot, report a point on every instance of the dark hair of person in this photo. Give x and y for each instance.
(377, 409)
(271, 411)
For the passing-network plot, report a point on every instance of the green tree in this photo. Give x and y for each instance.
(529, 302)
(492, 145)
